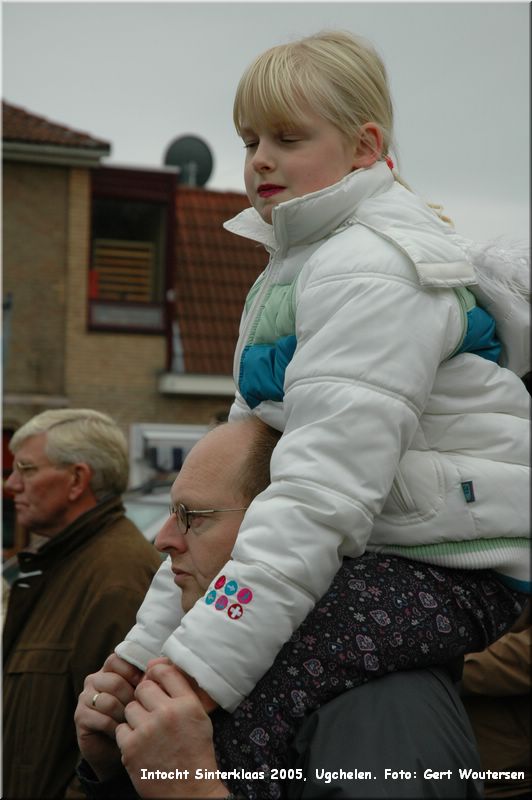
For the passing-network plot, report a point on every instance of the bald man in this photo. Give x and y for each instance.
(159, 728)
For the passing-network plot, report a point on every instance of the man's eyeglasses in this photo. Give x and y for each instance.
(26, 470)
(183, 515)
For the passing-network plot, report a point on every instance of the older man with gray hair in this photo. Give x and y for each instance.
(76, 592)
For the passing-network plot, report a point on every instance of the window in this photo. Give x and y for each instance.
(131, 250)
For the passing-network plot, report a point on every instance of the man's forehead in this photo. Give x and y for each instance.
(226, 444)
(197, 476)
(31, 447)
(210, 468)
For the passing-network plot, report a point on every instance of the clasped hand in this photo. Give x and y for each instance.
(153, 724)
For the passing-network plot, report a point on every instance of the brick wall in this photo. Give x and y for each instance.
(35, 200)
(51, 352)
(114, 372)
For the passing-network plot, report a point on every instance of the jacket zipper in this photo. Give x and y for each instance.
(252, 319)
(463, 313)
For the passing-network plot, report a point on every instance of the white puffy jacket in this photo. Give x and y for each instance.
(391, 442)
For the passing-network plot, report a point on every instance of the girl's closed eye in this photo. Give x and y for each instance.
(250, 138)
(289, 134)
(289, 138)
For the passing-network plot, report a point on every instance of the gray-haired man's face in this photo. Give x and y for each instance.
(41, 489)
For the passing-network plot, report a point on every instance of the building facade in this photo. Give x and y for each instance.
(122, 291)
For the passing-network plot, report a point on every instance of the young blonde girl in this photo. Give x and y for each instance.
(404, 419)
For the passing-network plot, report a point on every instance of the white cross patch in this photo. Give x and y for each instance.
(235, 612)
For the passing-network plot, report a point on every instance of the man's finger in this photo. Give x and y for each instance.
(150, 696)
(89, 720)
(108, 683)
(170, 678)
(159, 660)
(123, 734)
(130, 673)
(109, 705)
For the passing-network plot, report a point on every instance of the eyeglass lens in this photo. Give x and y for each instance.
(182, 518)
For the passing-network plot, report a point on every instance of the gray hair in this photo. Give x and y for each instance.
(82, 435)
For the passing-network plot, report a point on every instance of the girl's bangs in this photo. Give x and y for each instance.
(268, 96)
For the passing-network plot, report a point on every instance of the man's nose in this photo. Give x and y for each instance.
(13, 482)
(170, 537)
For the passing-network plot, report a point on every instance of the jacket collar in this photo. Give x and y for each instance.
(86, 526)
(314, 216)
(372, 198)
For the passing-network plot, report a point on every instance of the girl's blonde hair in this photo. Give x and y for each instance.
(339, 76)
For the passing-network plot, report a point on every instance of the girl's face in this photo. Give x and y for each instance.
(287, 162)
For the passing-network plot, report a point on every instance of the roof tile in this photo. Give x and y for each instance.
(19, 125)
(214, 271)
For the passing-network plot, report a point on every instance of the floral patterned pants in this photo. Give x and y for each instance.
(381, 614)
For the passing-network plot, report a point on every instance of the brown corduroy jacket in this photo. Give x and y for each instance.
(76, 599)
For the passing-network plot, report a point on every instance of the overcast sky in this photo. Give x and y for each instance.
(141, 74)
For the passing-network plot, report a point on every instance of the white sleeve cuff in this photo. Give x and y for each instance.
(135, 654)
(212, 682)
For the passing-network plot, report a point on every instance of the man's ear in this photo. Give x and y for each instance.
(369, 145)
(80, 481)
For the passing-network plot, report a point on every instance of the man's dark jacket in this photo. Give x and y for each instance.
(75, 599)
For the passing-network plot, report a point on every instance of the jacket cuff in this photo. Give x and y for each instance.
(135, 654)
(118, 787)
(212, 682)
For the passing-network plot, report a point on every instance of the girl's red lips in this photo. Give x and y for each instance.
(268, 189)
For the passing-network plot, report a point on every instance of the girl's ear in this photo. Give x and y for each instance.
(369, 146)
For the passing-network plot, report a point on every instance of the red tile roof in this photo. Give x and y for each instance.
(19, 125)
(214, 271)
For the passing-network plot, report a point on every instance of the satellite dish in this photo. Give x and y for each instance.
(193, 157)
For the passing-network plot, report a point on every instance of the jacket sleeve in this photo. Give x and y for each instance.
(239, 409)
(502, 669)
(119, 788)
(159, 615)
(368, 348)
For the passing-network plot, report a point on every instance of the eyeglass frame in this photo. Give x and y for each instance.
(182, 514)
(26, 470)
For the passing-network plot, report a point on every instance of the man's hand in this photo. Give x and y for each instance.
(168, 731)
(207, 702)
(111, 689)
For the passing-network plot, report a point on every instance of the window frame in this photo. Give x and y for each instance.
(146, 186)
